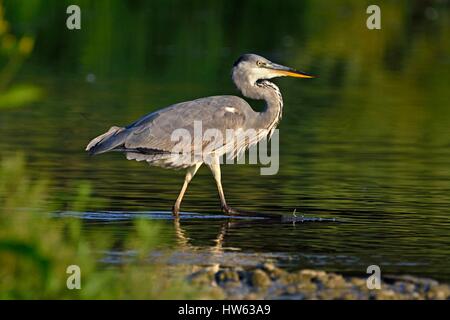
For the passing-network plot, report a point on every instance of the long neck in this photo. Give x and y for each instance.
(268, 91)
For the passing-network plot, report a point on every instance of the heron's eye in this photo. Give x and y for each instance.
(259, 63)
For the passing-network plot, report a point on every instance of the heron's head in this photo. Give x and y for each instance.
(251, 68)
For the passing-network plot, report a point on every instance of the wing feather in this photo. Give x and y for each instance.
(155, 130)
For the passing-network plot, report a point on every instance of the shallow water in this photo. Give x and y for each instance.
(388, 190)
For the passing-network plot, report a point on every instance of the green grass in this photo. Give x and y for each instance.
(36, 249)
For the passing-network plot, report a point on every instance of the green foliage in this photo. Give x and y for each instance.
(13, 52)
(19, 95)
(36, 249)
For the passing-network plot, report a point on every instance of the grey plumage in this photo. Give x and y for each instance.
(150, 138)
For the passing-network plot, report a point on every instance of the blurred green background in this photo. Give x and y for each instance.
(367, 142)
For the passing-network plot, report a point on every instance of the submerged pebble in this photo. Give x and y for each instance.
(260, 279)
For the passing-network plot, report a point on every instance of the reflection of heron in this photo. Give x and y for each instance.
(183, 241)
(212, 255)
(150, 138)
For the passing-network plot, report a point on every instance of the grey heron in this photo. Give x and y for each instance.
(150, 138)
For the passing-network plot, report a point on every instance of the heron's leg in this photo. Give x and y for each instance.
(191, 171)
(215, 169)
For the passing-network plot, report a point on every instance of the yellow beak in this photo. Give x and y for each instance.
(295, 74)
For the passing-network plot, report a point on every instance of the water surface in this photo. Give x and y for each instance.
(388, 191)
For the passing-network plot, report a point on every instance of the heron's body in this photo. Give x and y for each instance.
(151, 139)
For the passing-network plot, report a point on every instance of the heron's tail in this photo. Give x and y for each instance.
(114, 138)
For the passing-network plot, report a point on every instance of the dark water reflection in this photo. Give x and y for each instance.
(348, 245)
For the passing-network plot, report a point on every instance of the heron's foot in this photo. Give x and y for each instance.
(228, 210)
(176, 211)
(235, 212)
